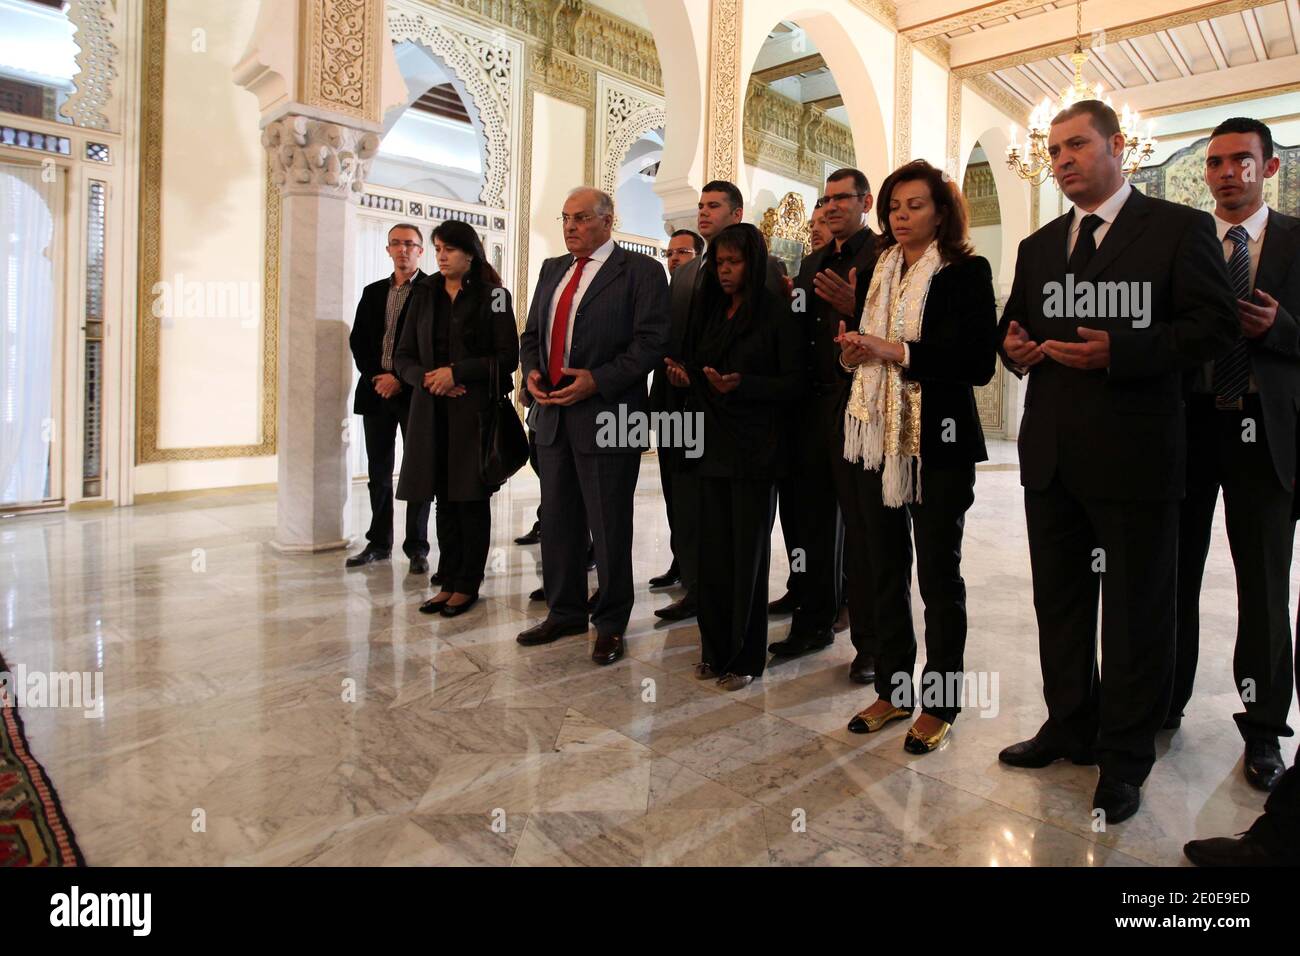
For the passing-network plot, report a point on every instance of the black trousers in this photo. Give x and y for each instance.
(464, 532)
(587, 495)
(937, 523)
(736, 543)
(381, 453)
(686, 541)
(1071, 541)
(810, 514)
(857, 582)
(1257, 512)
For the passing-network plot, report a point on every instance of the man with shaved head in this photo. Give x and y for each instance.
(597, 327)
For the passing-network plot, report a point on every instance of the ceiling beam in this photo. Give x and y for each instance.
(826, 102)
(1293, 15)
(928, 18)
(1171, 50)
(1139, 62)
(1211, 38)
(804, 64)
(1102, 66)
(1238, 82)
(1256, 38)
(1053, 32)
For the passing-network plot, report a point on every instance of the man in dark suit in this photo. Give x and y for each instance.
(1241, 436)
(1111, 303)
(597, 326)
(721, 205)
(382, 400)
(831, 289)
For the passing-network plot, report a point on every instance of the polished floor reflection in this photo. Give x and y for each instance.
(271, 709)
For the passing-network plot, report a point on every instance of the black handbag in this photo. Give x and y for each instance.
(503, 446)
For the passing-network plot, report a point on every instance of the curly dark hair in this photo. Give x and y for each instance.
(949, 204)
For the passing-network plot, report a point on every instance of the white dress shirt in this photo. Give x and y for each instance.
(588, 274)
(1107, 211)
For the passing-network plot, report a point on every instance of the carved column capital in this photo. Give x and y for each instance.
(318, 157)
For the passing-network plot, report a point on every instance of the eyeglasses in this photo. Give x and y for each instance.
(839, 197)
(404, 244)
(581, 219)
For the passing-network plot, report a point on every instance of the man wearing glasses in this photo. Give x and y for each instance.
(831, 286)
(382, 400)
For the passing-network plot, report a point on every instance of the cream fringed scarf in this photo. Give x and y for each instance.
(883, 417)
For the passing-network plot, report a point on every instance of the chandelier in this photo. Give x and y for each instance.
(1032, 161)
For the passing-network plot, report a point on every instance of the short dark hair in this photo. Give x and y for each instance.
(696, 239)
(859, 178)
(407, 225)
(732, 192)
(952, 236)
(1104, 120)
(1245, 124)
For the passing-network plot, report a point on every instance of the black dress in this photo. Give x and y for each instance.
(744, 453)
(441, 459)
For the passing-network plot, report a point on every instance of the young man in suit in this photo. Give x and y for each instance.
(721, 205)
(831, 288)
(1110, 305)
(1241, 436)
(383, 401)
(597, 326)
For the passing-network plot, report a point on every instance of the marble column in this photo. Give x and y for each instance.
(319, 167)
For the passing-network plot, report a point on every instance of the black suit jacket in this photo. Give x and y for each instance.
(956, 352)
(1275, 356)
(1119, 433)
(620, 333)
(367, 343)
(819, 323)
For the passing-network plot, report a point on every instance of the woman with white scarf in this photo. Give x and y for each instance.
(926, 337)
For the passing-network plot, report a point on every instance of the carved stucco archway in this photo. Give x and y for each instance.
(487, 70)
(626, 114)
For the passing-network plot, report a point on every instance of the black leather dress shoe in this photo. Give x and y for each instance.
(608, 649)
(785, 604)
(531, 537)
(1036, 753)
(1258, 846)
(435, 578)
(863, 669)
(547, 631)
(537, 595)
(1116, 799)
(452, 610)
(678, 610)
(667, 579)
(368, 556)
(1264, 765)
(419, 564)
(802, 643)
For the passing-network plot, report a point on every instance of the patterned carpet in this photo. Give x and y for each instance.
(33, 829)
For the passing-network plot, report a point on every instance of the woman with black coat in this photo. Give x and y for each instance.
(926, 339)
(743, 364)
(459, 323)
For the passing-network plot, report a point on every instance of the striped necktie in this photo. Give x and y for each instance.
(1232, 372)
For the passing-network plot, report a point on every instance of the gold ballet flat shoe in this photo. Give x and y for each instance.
(918, 743)
(866, 723)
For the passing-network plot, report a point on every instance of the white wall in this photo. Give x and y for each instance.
(559, 144)
(767, 188)
(929, 111)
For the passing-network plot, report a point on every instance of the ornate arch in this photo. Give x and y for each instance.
(96, 54)
(626, 114)
(486, 68)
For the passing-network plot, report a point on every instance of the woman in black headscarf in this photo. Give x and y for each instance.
(460, 324)
(743, 362)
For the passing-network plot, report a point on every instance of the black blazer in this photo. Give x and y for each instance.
(1120, 433)
(956, 352)
(367, 343)
(819, 323)
(620, 333)
(1275, 356)
(481, 327)
(745, 431)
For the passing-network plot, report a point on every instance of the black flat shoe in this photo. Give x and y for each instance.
(1264, 765)
(796, 645)
(419, 564)
(546, 632)
(866, 723)
(532, 536)
(678, 610)
(452, 610)
(1116, 799)
(667, 579)
(538, 595)
(432, 606)
(863, 669)
(1035, 753)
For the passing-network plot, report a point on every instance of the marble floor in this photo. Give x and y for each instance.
(270, 709)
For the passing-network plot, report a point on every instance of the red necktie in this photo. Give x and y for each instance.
(560, 325)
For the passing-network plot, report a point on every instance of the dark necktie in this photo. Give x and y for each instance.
(560, 324)
(1232, 372)
(1084, 245)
